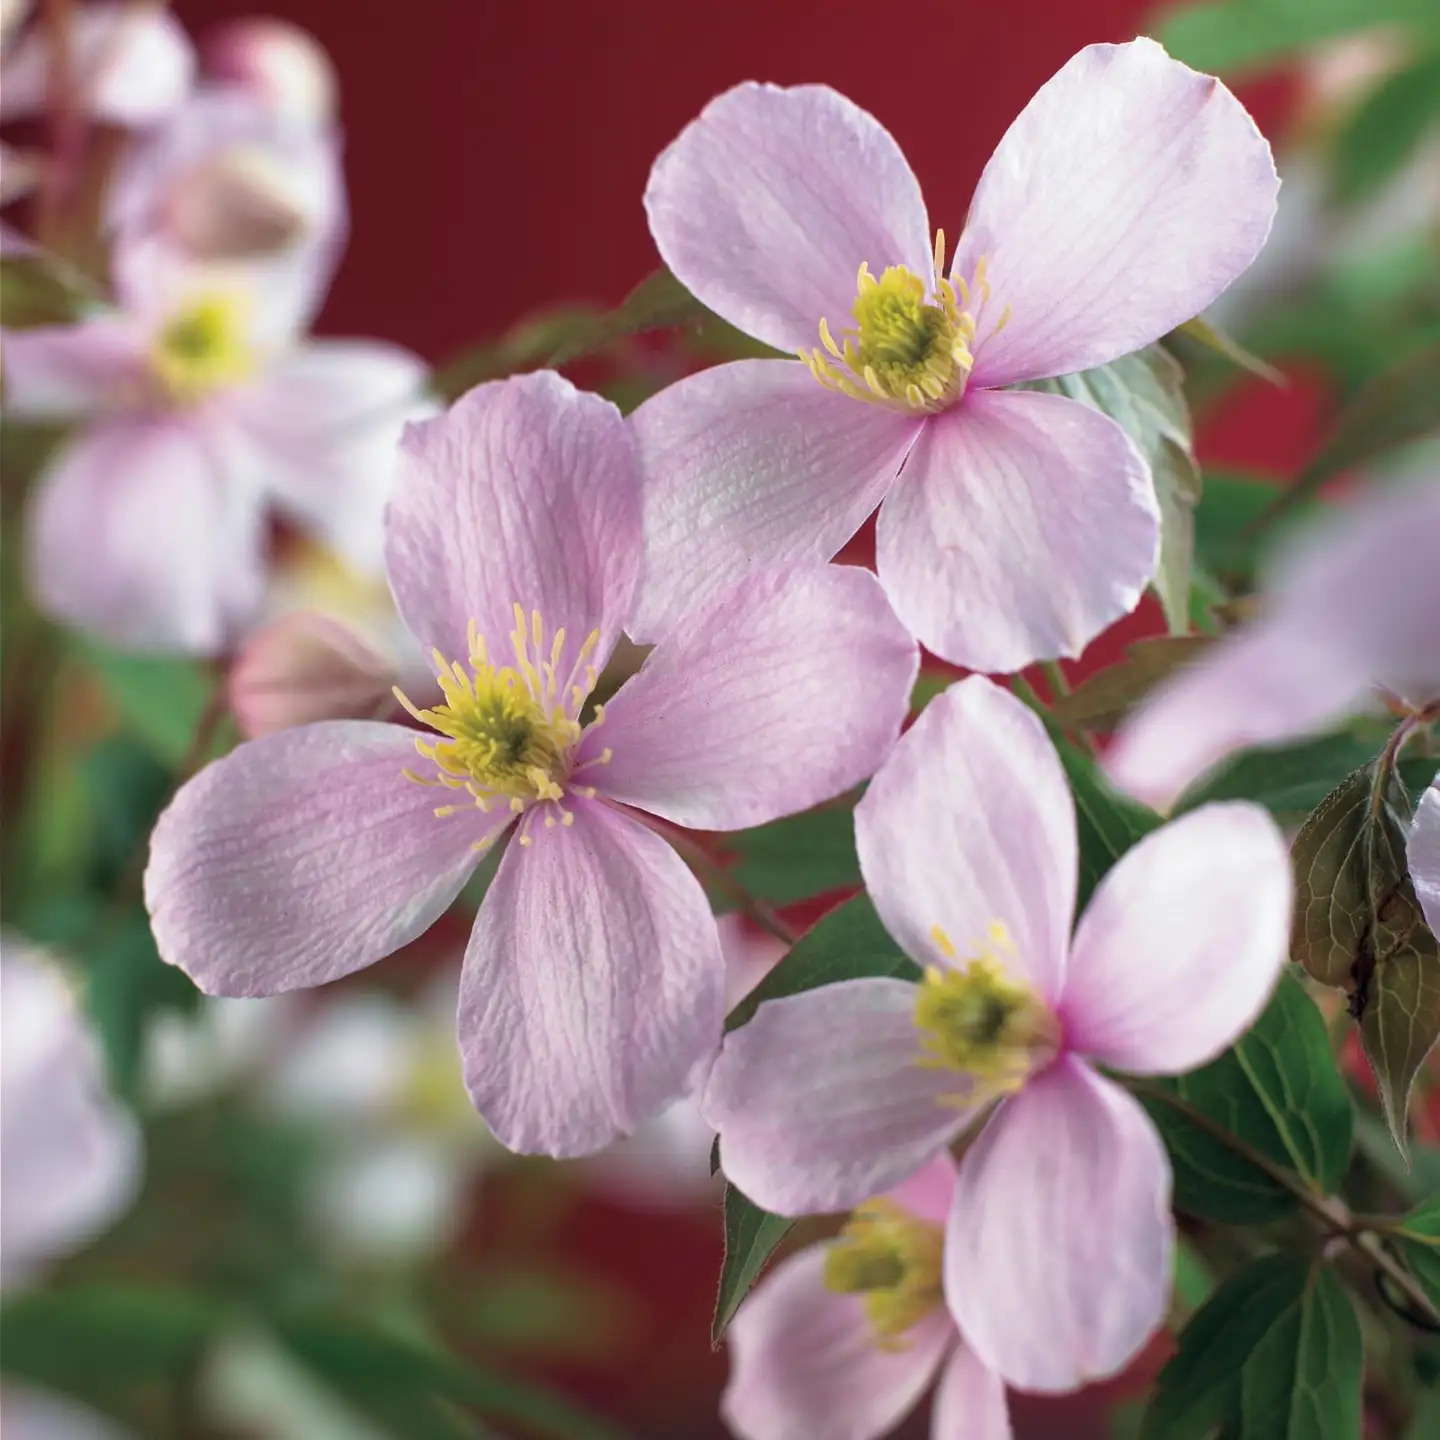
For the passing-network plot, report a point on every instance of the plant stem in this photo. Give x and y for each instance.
(1055, 678)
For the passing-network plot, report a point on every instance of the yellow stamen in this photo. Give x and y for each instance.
(891, 1259)
(204, 348)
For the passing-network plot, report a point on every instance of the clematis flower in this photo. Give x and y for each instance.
(1351, 609)
(1422, 853)
(1015, 526)
(199, 408)
(281, 63)
(593, 981)
(967, 844)
(843, 1338)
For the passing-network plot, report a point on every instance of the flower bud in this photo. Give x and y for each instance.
(240, 204)
(306, 667)
(277, 62)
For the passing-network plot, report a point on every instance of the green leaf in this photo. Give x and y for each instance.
(1210, 336)
(751, 1235)
(848, 943)
(1420, 1244)
(1103, 699)
(381, 1370)
(1387, 128)
(40, 290)
(1275, 1354)
(161, 699)
(1358, 927)
(795, 858)
(1278, 1090)
(1224, 522)
(1144, 393)
(659, 302)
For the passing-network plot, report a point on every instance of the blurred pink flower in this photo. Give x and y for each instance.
(842, 1345)
(1015, 526)
(129, 64)
(69, 1155)
(200, 407)
(593, 982)
(279, 63)
(1352, 607)
(967, 844)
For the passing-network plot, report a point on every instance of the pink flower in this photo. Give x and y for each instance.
(200, 407)
(1422, 853)
(840, 1341)
(1352, 608)
(1059, 1242)
(1016, 526)
(593, 981)
(280, 63)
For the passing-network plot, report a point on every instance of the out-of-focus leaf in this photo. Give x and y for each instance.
(1238, 35)
(36, 290)
(526, 346)
(380, 1370)
(1414, 1179)
(751, 1235)
(1228, 510)
(1358, 927)
(658, 302)
(1387, 128)
(1421, 1246)
(848, 943)
(1145, 394)
(1276, 1351)
(1103, 699)
(1211, 337)
(1278, 1090)
(795, 858)
(161, 699)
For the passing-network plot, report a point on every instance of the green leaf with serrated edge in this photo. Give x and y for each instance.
(1104, 698)
(1144, 394)
(1387, 128)
(1278, 1090)
(1302, 1381)
(1210, 336)
(751, 1235)
(1420, 1244)
(800, 856)
(847, 944)
(658, 302)
(1199, 1388)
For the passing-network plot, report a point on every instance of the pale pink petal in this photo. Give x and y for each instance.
(821, 1101)
(970, 1401)
(930, 1191)
(751, 464)
(767, 205)
(969, 823)
(804, 1362)
(61, 372)
(276, 61)
(524, 492)
(305, 856)
(1271, 684)
(1058, 1251)
(787, 691)
(27, 1414)
(1125, 197)
(1423, 854)
(132, 64)
(140, 533)
(593, 985)
(1182, 944)
(1022, 526)
(326, 424)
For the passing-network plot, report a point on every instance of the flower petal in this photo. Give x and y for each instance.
(142, 533)
(327, 420)
(821, 1101)
(1182, 943)
(1423, 854)
(593, 985)
(970, 822)
(930, 1191)
(62, 371)
(304, 856)
(524, 492)
(1023, 525)
(804, 1361)
(1051, 1289)
(767, 205)
(785, 692)
(970, 1402)
(749, 464)
(1125, 197)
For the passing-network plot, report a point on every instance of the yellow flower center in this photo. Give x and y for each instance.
(204, 348)
(979, 1021)
(907, 350)
(892, 1259)
(508, 731)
